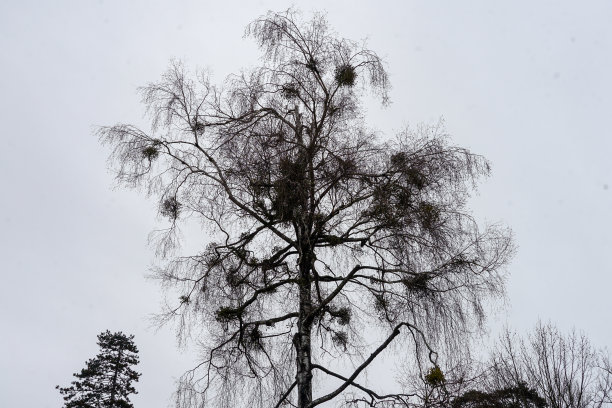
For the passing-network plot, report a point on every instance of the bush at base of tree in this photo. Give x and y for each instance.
(519, 396)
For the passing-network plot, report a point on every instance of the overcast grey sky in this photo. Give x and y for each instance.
(525, 83)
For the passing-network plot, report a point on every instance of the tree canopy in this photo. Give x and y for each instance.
(317, 228)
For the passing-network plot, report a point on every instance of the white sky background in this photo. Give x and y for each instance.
(527, 84)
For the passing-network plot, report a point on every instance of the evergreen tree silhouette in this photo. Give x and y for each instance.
(106, 381)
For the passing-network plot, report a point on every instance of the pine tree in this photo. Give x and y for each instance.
(106, 381)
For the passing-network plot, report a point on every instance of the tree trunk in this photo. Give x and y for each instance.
(113, 395)
(302, 340)
(303, 336)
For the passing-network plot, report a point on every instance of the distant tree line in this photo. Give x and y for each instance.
(543, 369)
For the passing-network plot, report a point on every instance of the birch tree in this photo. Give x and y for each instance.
(318, 230)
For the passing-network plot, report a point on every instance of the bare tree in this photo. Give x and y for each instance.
(565, 369)
(318, 229)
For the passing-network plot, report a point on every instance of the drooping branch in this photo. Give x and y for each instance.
(350, 380)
